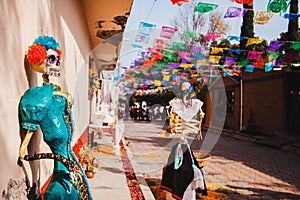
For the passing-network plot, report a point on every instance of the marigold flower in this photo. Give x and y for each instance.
(37, 54)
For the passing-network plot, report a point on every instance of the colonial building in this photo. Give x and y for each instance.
(258, 102)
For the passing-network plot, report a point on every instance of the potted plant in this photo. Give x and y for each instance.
(94, 84)
(87, 160)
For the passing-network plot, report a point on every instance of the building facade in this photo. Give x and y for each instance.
(259, 102)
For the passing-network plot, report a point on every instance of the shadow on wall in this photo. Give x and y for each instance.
(12, 79)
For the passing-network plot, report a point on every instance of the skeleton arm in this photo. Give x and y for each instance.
(199, 134)
(25, 143)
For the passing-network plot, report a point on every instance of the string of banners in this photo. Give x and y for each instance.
(162, 66)
(165, 64)
(261, 16)
(276, 6)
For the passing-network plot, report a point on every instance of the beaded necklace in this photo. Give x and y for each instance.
(189, 104)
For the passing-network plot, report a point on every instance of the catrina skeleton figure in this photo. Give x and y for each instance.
(50, 108)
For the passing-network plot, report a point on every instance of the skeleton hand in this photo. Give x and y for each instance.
(20, 162)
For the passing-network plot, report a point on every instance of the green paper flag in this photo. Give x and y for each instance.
(277, 6)
(169, 55)
(189, 34)
(160, 65)
(243, 62)
(178, 46)
(205, 7)
(295, 45)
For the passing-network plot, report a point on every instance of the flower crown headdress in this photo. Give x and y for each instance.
(37, 52)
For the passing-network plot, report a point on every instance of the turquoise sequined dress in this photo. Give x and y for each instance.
(50, 109)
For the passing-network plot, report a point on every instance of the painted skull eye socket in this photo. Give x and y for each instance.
(52, 59)
(186, 91)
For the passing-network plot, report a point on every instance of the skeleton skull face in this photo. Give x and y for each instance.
(186, 88)
(52, 65)
(44, 56)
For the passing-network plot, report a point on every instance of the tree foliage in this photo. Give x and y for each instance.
(199, 23)
(292, 33)
(247, 28)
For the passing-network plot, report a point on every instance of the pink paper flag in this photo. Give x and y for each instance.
(167, 32)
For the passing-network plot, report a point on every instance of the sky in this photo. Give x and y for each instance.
(160, 13)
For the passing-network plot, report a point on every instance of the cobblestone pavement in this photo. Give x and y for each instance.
(251, 170)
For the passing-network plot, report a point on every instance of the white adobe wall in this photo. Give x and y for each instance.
(21, 21)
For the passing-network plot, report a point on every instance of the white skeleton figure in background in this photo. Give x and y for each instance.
(184, 111)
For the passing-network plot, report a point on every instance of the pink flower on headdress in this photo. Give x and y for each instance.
(37, 54)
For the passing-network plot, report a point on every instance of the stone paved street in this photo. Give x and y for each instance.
(252, 170)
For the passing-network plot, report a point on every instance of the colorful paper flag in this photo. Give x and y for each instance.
(227, 72)
(178, 46)
(262, 17)
(268, 66)
(234, 12)
(199, 56)
(254, 55)
(157, 56)
(186, 66)
(159, 43)
(146, 28)
(142, 38)
(259, 63)
(291, 16)
(249, 68)
(167, 32)
(233, 38)
(229, 61)
(179, 2)
(161, 64)
(272, 56)
(235, 51)
(149, 62)
(201, 62)
(173, 65)
(169, 55)
(251, 41)
(153, 50)
(175, 77)
(205, 7)
(216, 50)
(277, 6)
(275, 45)
(248, 2)
(295, 45)
(189, 34)
(215, 59)
(196, 48)
(136, 46)
(166, 75)
(184, 55)
(211, 36)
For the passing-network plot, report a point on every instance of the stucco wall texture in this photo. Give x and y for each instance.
(21, 21)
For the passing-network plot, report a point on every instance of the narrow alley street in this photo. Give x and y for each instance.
(250, 170)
